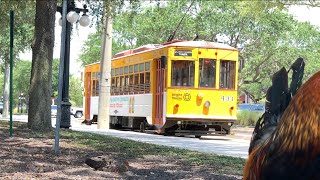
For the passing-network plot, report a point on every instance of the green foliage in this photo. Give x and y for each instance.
(21, 79)
(21, 82)
(23, 26)
(75, 88)
(247, 118)
(22, 72)
(55, 75)
(91, 50)
(1, 84)
(266, 35)
(75, 91)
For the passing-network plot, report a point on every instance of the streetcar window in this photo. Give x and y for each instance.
(141, 67)
(126, 70)
(136, 68)
(136, 82)
(147, 66)
(121, 71)
(182, 73)
(207, 73)
(131, 69)
(141, 86)
(147, 77)
(147, 82)
(113, 84)
(112, 72)
(117, 71)
(95, 87)
(131, 83)
(122, 84)
(127, 84)
(227, 74)
(117, 84)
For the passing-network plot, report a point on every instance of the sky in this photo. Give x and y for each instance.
(78, 38)
(302, 13)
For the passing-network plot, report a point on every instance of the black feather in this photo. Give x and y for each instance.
(277, 100)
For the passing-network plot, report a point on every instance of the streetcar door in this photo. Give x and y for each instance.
(160, 86)
(88, 88)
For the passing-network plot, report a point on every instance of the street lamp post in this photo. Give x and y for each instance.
(72, 17)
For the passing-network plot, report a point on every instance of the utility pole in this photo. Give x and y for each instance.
(11, 66)
(105, 71)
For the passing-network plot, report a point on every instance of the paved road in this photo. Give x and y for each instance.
(222, 145)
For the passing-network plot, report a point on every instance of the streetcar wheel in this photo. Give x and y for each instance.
(198, 136)
(142, 127)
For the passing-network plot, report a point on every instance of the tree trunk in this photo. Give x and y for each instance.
(39, 114)
(5, 109)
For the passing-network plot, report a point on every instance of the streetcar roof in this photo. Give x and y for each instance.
(202, 44)
(92, 64)
(176, 43)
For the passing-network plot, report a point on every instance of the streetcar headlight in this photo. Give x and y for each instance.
(207, 104)
(200, 95)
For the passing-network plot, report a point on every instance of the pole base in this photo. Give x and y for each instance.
(65, 115)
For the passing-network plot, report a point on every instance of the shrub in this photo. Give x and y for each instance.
(247, 118)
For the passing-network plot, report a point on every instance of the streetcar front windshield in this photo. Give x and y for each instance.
(227, 74)
(207, 73)
(182, 73)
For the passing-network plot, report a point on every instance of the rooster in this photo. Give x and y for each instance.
(286, 140)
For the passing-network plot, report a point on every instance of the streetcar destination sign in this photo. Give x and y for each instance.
(183, 53)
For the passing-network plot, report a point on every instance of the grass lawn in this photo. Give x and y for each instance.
(31, 154)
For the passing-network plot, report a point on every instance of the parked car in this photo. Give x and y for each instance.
(251, 107)
(1, 108)
(77, 112)
(53, 110)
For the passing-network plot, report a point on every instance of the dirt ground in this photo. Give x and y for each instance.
(26, 157)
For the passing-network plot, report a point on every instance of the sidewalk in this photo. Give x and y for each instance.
(222, 145)
(232, 145)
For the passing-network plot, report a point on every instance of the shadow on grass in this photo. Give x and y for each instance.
(30, 154)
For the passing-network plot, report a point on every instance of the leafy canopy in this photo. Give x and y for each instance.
(267, 37)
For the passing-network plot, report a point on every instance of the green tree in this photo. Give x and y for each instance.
(23, 35)
(76, 91)
(131, 24)
(39, 115)
(267, 37)
(91, 51)
(55, 76)
(21, 80)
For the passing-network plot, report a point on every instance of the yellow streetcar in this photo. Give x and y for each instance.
(179, 87)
